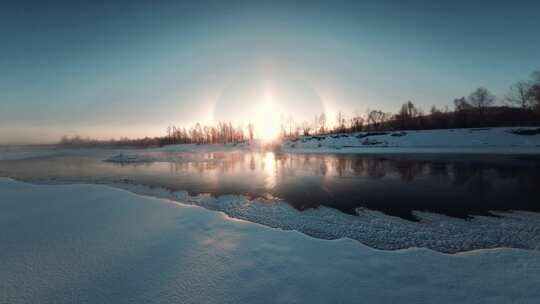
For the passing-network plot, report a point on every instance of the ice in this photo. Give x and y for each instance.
(95, 244)
(518, 229)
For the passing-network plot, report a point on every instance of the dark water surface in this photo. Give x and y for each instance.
(459, 186)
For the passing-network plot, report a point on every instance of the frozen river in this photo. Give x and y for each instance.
(96, 244)
(458, 203)
(458, 186)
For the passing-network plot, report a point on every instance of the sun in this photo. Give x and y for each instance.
(268, 123)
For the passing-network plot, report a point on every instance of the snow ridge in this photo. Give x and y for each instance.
(518, 229)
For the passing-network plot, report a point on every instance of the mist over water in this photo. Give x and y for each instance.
(396, 185)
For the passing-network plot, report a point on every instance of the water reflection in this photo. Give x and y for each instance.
(269, 163)
(395, 185)
(276, 165)
(457, 186)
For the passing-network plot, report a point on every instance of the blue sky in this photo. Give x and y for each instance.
(133, 67)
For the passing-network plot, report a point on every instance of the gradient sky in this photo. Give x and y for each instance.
(133, 67)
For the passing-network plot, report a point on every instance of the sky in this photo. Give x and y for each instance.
(130, 68)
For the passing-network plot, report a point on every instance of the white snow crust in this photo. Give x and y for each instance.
(95, 244)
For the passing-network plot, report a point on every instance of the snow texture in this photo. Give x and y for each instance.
(95, 244)
(518, 229)
(484, 140)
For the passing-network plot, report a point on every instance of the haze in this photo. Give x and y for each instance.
(131, 68)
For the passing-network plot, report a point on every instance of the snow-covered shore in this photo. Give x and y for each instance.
(95, 244)
(511, 229)
(518, 229)
(452, 141)
(496, 141)
(449, 141)
(503, 140)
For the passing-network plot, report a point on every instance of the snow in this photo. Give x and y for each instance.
(485, 140)
(437, 232)
(449, 141)
(95, 244)
(517, 229)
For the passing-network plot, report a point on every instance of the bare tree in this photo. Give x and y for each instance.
(251, 131)
(407, 115)
(290, 123)
(340, 122)
(534, 91)
(462, 112)
(438, 119)
(306, 128)
(357, 123)
(461, 104)
(169, 133)
(376, 118)
(481, 98)
(520, 95)
(322, 123)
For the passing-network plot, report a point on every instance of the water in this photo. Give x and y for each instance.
(458, 186)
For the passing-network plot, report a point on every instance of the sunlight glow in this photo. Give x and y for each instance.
(268, 122)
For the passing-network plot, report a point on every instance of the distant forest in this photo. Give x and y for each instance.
(520, 107)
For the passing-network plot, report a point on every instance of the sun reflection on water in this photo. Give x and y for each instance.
(269, 167)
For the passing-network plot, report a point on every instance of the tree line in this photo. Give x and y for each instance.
(223, 133)
(520, 106)
(77, 141)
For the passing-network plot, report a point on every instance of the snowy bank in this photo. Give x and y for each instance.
(518, 229)
(448, 141)
(483, 140)
(94, 244)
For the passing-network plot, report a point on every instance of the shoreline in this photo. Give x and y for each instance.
(365, 227)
